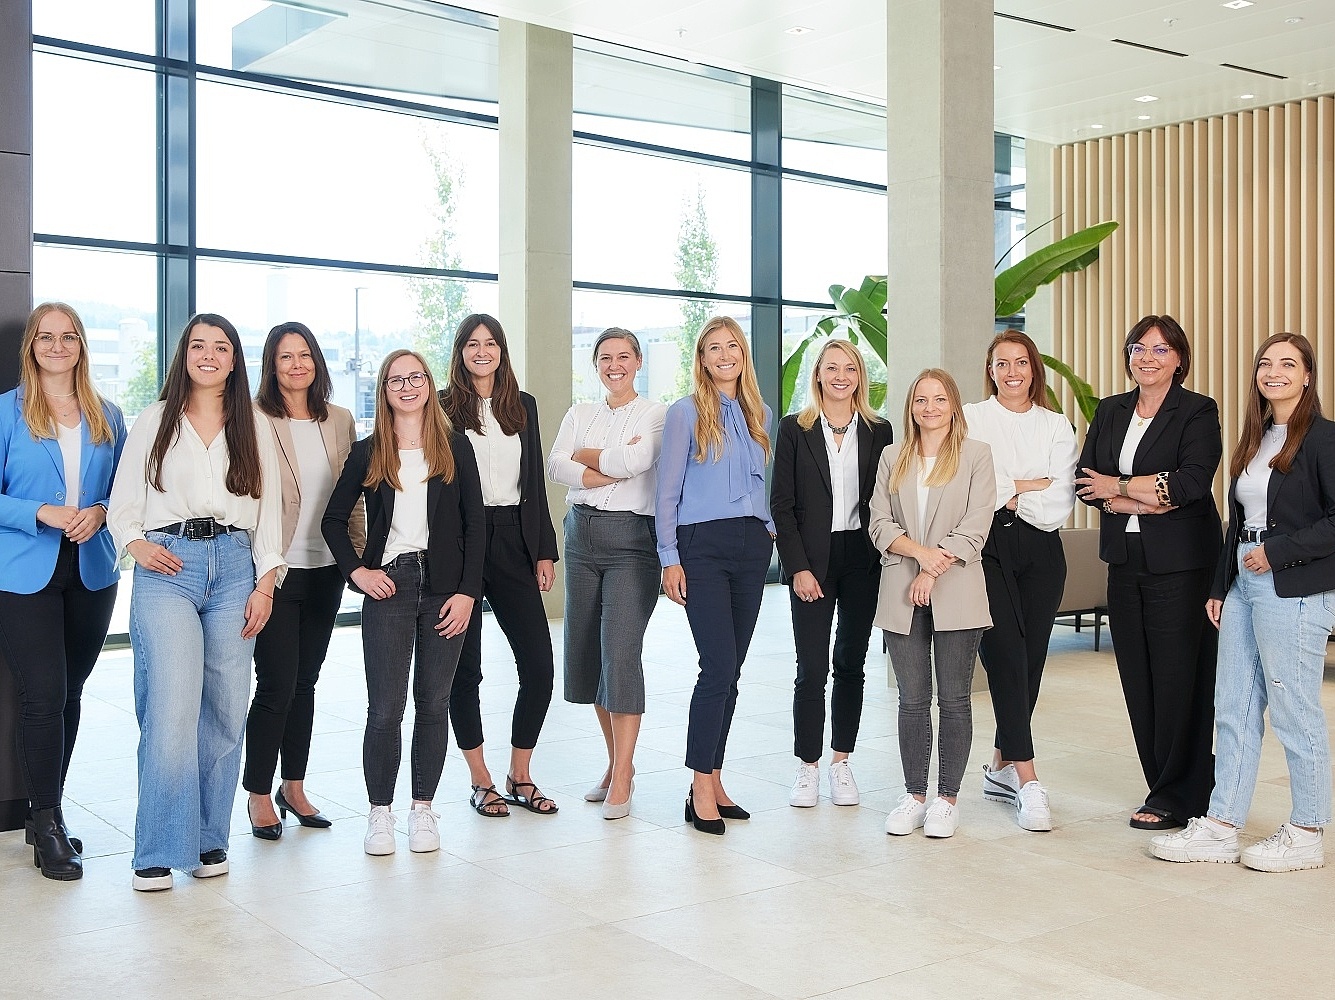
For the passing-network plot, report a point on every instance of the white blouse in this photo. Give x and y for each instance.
(634, 466)
(408, 530)
(194, 484)
(499, 460)
(1035, 444)
(845, 481)
(308, 550)
(70, 440)
(1135, 433)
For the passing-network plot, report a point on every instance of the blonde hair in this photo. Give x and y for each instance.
(861, 401)
(37, 412)
(436, 429)
(708, 408)
(948, 458)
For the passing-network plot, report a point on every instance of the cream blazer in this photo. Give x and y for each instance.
(959, 516)
(338, 431)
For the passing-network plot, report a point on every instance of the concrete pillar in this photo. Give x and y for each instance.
(939, 120)
(536, 96)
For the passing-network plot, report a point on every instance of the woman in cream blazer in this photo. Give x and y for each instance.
(930, 514)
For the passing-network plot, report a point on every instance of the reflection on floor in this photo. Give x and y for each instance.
(795, 903)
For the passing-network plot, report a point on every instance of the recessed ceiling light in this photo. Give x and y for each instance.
(798, 29)
(1239, 4)
(996, 67)
(1293, 20)
(1143, 118)
(1096, 126)
(1146, 98)
(1246, 97)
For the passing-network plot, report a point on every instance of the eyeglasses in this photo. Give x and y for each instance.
(48, 340)
(396, 383)
(1160, 351)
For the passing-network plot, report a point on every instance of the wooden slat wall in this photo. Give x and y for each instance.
(1227, 224)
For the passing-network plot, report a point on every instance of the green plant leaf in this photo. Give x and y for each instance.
(792, 368)
(1080, 389)
(876, 395)
(1017, 284)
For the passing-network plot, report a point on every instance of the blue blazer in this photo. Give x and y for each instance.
(32, 473)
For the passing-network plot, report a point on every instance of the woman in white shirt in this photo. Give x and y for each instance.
(196, 504)
(607, 453)
(1034, 453)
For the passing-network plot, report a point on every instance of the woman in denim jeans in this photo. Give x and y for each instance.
(421, 572)
(196, 504)
(1273, 602)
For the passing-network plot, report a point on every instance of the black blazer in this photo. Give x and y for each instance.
(456, 523)
(802, 499)
(1300, 519)
(1185, 441)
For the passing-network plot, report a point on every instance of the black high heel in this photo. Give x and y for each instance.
(52, 851)
(714, 826)
(271, 832)
(733, 811)
(315, 820)
(75, 842)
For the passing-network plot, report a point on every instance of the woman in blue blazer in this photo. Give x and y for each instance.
(59, 445)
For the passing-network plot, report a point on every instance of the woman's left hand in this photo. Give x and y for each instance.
(455, 615)
(920, 591)
(1091, 485)
(259, 606)
(1256, 560)
(546, 574)
(85, 524)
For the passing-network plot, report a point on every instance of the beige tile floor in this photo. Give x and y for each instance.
(796, 903)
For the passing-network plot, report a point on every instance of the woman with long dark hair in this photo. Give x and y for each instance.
(59, 445)
(1273, 601)
(483, 399)
(197, 504)
(421, 572)
(714, 530)
(313, 437)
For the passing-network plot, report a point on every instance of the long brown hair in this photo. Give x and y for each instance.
(384, 464)
(810, 413)
(37, 412)
(462, 403)
(244, 477)
(948, 459)
(1259, 412)
(709, 408)
(1038, 383)
(269, 398)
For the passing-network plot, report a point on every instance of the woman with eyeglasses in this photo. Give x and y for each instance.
(60, 442)
(1148, 464)
(421, 574)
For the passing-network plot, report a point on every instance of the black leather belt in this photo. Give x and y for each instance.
(198, 528)
(1253, 534)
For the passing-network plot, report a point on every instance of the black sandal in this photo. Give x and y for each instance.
(484, 805)
(532, 800)
(1163, 820)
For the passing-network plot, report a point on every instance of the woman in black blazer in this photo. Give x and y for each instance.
(827, 558)
(421, 572)
(1273, 602)
(483, 400)
(1149, 463)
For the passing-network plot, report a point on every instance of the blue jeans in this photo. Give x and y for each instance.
(1272, 651)
(191, 682)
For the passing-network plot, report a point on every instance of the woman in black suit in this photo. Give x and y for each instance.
(483, 400)
(421, 572)
(1149, 462)
(823, 478)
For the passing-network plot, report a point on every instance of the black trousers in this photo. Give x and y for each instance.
(851, 584)
(289, 652)
(511, 588)
(51, 641)
(1025, 570)
(1165, 651)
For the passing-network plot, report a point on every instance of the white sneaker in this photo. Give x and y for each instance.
(1288, 849)
(380, 831)
(1001, 785)
(423, 832)
(843, 789)
(806, 786)
(1031, 807)
(905, 817)
(942, 819)
(1201, 840)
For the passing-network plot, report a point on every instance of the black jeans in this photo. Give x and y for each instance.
(289, 653)
(851, 584)
(393, 630)
(51, 641)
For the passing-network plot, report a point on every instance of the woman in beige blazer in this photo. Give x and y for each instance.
(930, 514)
(313, 438)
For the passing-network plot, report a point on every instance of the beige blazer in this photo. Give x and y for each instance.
(338, 431)
(959, 516)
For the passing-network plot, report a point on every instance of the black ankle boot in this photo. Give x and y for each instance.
(75, 842)
(52, 851)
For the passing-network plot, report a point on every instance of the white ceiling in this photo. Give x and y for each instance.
(1051, 85)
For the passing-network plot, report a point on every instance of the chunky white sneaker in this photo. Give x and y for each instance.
(1001, 785)
(1288, 849)
(942, 819)
(380, 831)
(1031, 807)
(806, 786)
(1200, 840)
(423, 832)
(905, 817)
(843, 789)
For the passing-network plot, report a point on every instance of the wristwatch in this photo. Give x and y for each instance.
(1122, 483)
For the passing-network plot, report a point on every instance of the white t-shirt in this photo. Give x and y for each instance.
(1134, 434)
(1253, 489)
(408, 530)
(70, 440)
(925, 466)
(307, 549)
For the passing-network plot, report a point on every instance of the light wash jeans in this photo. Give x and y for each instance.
(1272, 651)
(191, 682)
